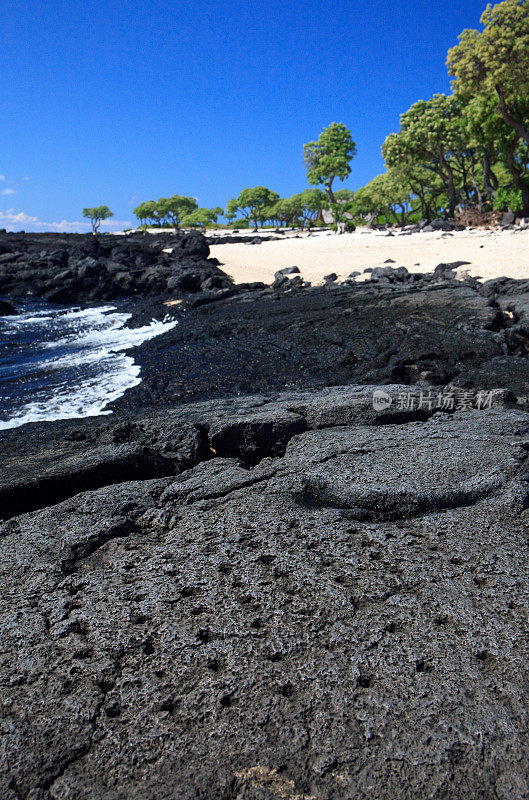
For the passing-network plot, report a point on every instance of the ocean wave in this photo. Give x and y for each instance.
(67, 363)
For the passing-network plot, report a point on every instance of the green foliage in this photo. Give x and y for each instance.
(386, 197)
(495, 62)
(147, 213)
(201, 217)
(255, 204)
(312, 202)
(490, 68)
(286, 211)
(330, 157)
(96, 215)
(239, 223)
(173, 209)
(431, 135)
(508, 200)
(165, 212)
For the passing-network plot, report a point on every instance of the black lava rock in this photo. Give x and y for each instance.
(7, 309)
(67, 268)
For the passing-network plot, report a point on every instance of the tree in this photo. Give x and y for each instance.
(287, 211)
(431, 135)
(166, 210)
(495, 62)
(96, 215)
(385, 196)
(146, 212)
(312, 202)
(330, 157)
(484, 129)
(201, 217)
(254, 204)
(173, 209)
(426, 187)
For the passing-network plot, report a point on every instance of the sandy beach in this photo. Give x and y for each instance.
(490, 254)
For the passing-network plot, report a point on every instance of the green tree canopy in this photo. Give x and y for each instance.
(96, 215)
(254, 204)
(147, 212)
(166, 210)
(173, 209)
(495, 61)
(330, 157)
(312, 202)
(287, 211)
(387, 196)
(431, 134)
(201, 217)
(426, 186)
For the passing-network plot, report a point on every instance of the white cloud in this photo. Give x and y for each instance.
(13, 220)
(8, 191)
(2, 177)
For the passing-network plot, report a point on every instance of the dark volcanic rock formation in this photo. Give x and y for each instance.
(316, 601)
(295, 594)
(73, 268)
(7, 309)
(432, 331)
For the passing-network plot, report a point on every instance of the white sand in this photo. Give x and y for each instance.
(490, 253)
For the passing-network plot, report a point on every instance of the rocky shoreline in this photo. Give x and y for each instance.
(81, 268)
(254, 580)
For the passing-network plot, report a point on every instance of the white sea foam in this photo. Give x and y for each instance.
(80, 356)
(88, 399)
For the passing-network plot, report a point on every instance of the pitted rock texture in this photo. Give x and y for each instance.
(43, 464)
(77, 268)
(345, 617)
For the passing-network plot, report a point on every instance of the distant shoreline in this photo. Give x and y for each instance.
(490, 253)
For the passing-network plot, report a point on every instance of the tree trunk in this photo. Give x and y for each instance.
(517, 178)
(479, 196)
(448, 178)
(422, 201)
(330, 191)
(513, 123)
(452, 197)
(525, 200)
(489, 177)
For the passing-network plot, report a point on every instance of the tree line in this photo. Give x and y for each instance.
(468, 150)
(463, 151)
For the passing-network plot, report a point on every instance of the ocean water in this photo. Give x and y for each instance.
(59, 363)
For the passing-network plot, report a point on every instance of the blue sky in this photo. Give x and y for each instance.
(123, 102)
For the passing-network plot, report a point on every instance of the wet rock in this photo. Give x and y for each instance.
(7, 309)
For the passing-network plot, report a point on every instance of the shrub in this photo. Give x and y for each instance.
(508, 200)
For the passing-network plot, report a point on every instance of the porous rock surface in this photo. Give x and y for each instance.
(432, 331)
(77, 268)
(298, 597)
